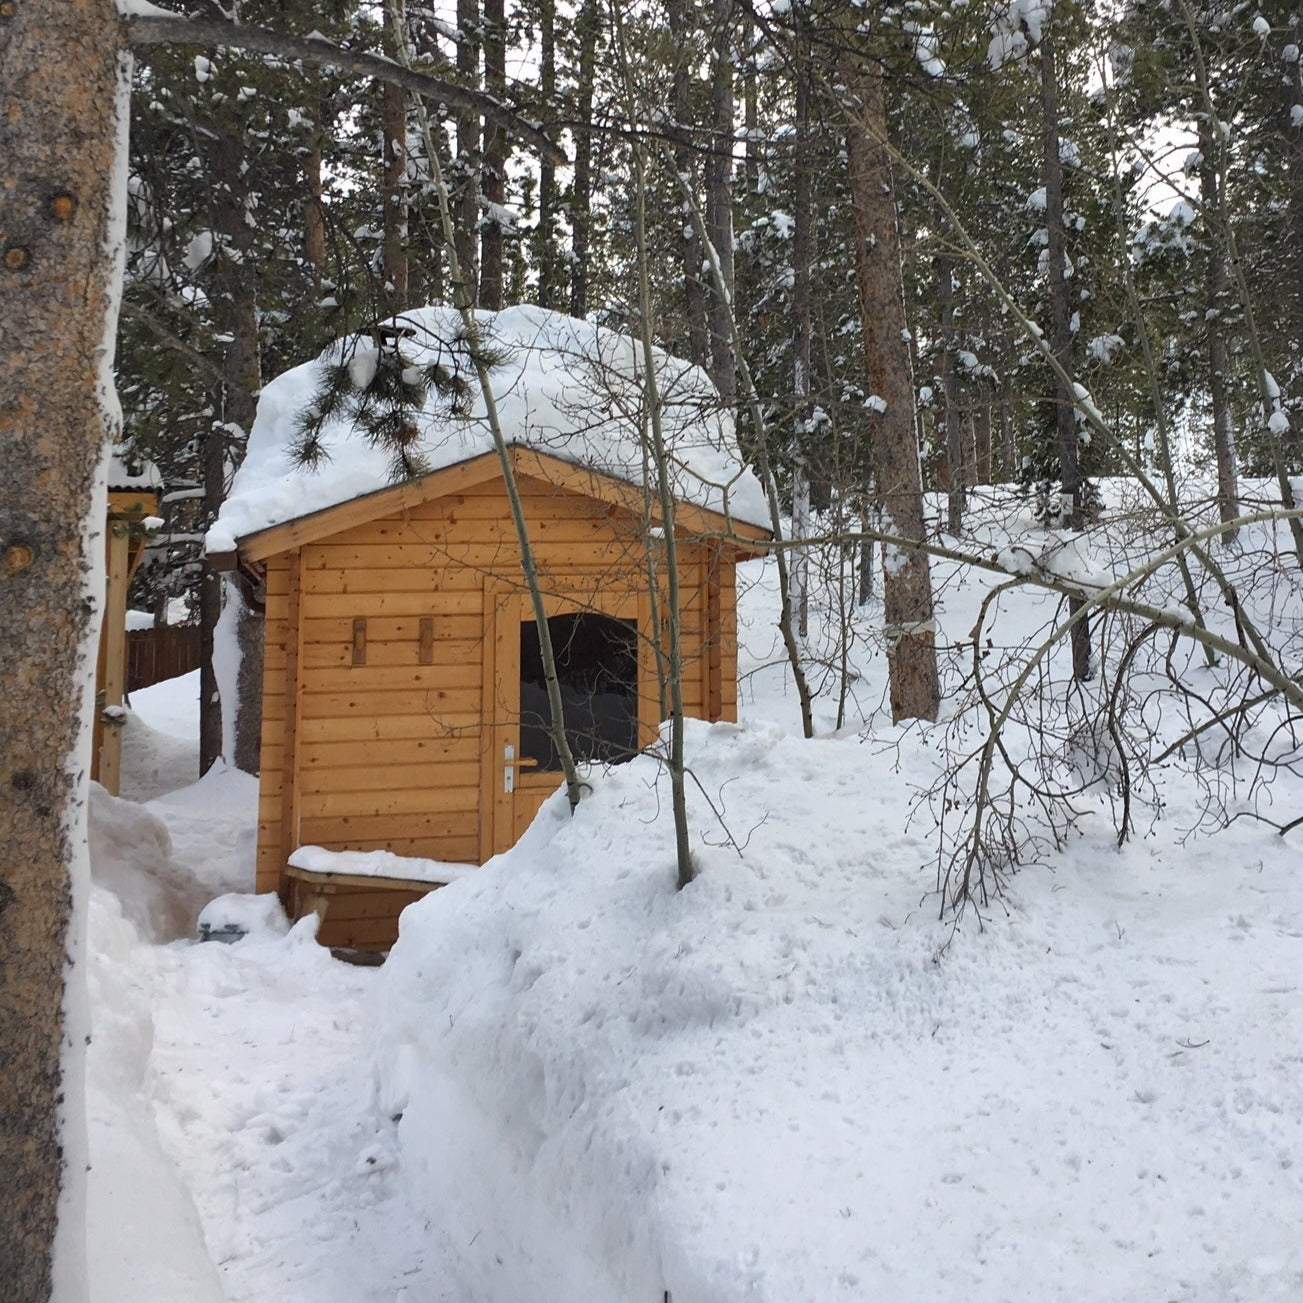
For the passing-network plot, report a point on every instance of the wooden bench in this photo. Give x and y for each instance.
(356, 911)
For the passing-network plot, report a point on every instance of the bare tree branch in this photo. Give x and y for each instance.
(155, 29)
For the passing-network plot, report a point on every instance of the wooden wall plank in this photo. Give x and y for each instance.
(448, 627)
(354, 779)
(367, 831)
(392, 751)
(293, 692)
(397, 678)
(407, 724)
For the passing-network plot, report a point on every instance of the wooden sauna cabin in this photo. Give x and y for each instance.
(403, 704)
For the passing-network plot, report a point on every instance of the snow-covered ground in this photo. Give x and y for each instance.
(792, 1081)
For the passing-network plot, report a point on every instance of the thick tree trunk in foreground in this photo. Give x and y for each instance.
(60, 75)
(907, 582)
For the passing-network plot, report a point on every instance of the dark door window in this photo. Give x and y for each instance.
(597, 666)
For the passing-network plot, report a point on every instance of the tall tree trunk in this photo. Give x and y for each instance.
(1216, 286)
(62, 132)
(235, 310)
(587, 28)
(719, 196)
(546, 239)
(915, 688)
(685, 164)
(393, 194)
(466, 169)
(1292, 127)
(314, 219)
(210, 605)
(494, 175)
(803, 255)
(1065, 411)
(746, 39)
(956, 483)
(983, 452)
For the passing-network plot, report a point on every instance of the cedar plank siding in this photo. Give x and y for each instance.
(390, 752)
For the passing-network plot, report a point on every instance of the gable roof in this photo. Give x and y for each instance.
(526, 462)
(567, 390)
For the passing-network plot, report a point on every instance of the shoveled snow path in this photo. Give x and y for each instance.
(263, 1103)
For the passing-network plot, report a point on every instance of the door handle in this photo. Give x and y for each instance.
(510, 763)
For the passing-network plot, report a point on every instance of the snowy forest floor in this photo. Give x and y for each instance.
(814, 1090)
(235, 1149)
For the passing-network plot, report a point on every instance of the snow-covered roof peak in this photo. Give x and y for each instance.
(563, 386)
(132, 474)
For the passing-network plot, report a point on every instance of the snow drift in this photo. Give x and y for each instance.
(563, 386)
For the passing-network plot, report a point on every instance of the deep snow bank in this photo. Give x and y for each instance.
(782, 1083)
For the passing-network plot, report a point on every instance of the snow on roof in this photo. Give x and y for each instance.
(564, 387)
(134, 475)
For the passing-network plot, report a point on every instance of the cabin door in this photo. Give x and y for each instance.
(607, 671)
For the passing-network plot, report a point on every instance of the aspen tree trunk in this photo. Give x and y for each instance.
(494, 175)
(63, 83)
(915, 688)
(1065, 408)
(686, 866)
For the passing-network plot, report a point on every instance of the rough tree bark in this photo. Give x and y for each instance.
(685, 164)
(494, 176)
(467, 167)
(719, 198)
(63, 114)
(958, 486)
(1216, 286)
(393, 195)
(64, 84)
(235, 401)
(915, 688)
(547, 239)
(588, 26)
(803, 255)
(1065, 404)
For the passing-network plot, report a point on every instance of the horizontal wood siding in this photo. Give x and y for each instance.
(391, 752)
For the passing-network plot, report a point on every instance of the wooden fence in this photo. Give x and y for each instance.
(161, 653)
